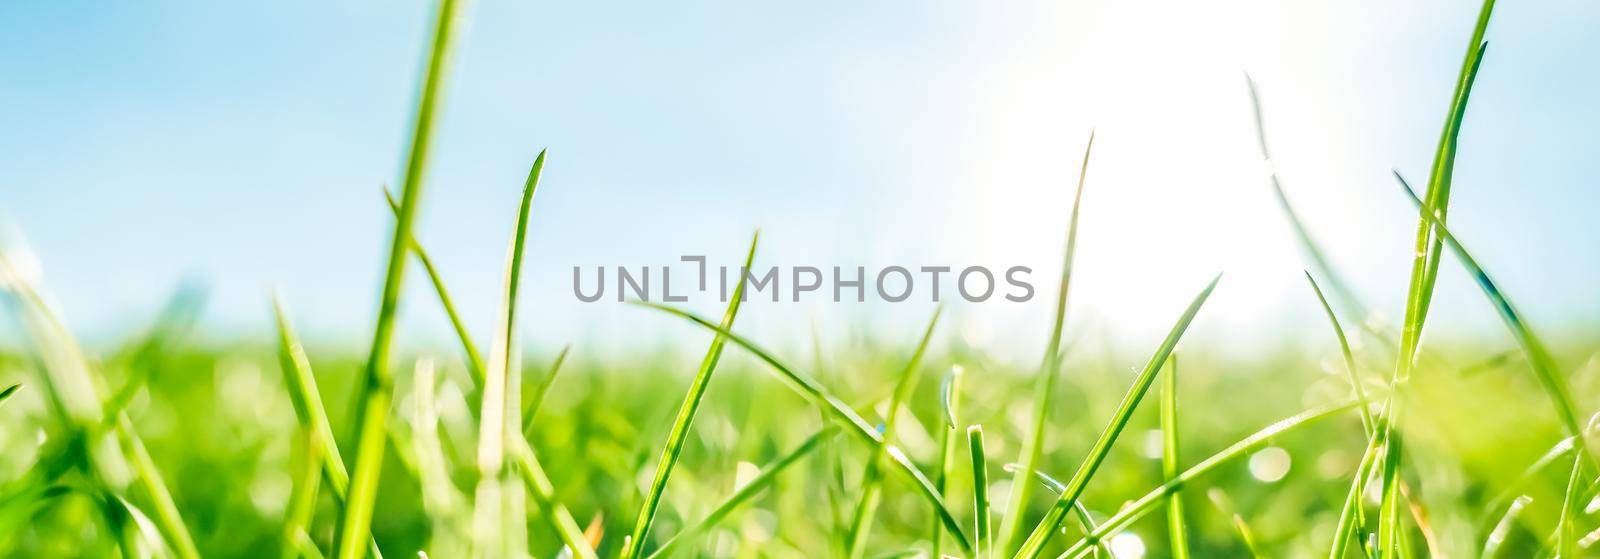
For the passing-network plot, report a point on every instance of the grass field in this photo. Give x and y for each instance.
(1369, 441)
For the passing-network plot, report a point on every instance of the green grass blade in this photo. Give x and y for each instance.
(1424, 273)
(950, 403)
(1034, 545)
(148, 478)
(1308, 243)
(980, 493)
(1502, 528)
(809, 389)
(749, 491)
(302, 505)
(1177, 527)
(871, 485)
(1144, 505)
(1367, 423)
(1350, 513)
(1044, 384)
(1246, 535)
(686, 412)
(475, 364)
(307, 399)
(543, 493)
(531, 407)
(4, 394)
(377, 384)
(498, 510)
(1571, 507)
(1079, 510)
(1543, 362)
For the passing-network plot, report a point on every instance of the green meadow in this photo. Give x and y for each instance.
(1370, 440)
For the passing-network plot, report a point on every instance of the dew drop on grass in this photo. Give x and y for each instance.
(1270, 464)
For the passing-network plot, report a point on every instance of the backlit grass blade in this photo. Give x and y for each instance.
(1034, 545)
(1350, 514)
(1356, 387)
(1144, 505)
(498, 507)
(809, 389)
(531, 407)
(1079, 510)
(1246, 535)
(1177, 528)
(743, 495)
(950, 403)
(302, 505)
(1502, 528)
(4, 394)
(377, 384)
(475, 363)
(149, 479)
(1424, 272)
(980, 493)
(1571, 507)
(685, 419)
(1044, 384)
(543, 492)
(1308, 243)
(306, 399)
(1544, 363)
(871, 484)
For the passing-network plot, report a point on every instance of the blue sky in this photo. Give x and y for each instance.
(243, 145)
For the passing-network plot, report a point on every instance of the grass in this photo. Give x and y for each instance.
(172, 446)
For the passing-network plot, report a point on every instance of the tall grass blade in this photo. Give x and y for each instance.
(1571, 507)
(1142, 506)
(871, 484)
(1424, 272)
(475, 364)
(4, 394)
(1502, 528)
(498, 506)
(1544, 363)
(1308, 243)
(1034, 545)
(686, 412)
(531, 407)
(809, 389)
(1177, 527)
(744, 494)
(377, 384)
(543, 493)
(306, 399)
(1356, 386)
(950, 403)
(980, 493)
(1044, 384)
(302, 505)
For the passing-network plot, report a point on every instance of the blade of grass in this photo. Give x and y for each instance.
(4, 394)
(303, 500)
(1502, 529)
(1424, 273)
(75, 395)
(1566, 531)
(686, 412)
(475, 365)
(1367, 423)
(980, 493)
(377, 384)
(743, 495)
(543, 492)
(809, 389)
(306, 399)
(950, 402)
(531, 407)
(1544, 363)
(1144, 505)
(871, 484)
(502, 527)
(1044, 384)
(1081, 511)
(1246, 535)
(1350, 515)
(1034, 545)
(1177, 528)
(1308, 243)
